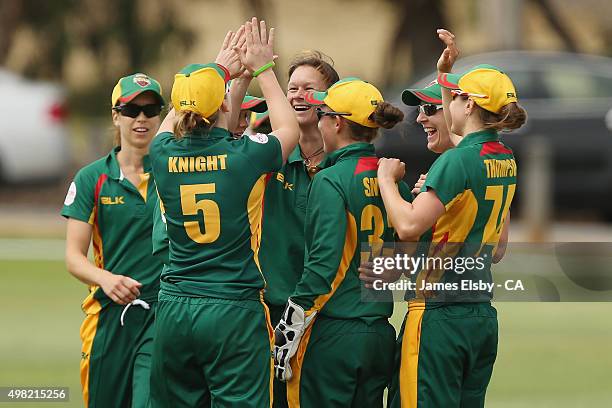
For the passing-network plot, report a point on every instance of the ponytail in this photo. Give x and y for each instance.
(510, 117)
(385, 116)
(187, 122)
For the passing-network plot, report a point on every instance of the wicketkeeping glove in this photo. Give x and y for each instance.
(287, 335)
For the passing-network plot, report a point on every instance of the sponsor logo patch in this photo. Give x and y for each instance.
(72, 191)
(259, 138)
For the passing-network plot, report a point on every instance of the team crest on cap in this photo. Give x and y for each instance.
(259, 138)
(142, 80)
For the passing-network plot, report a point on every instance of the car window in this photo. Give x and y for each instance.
(527, 84)
(567, 83)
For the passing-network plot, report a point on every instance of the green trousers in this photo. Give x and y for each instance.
(280, 387)
(444, 356)
(211, 352)
(115, 359)
(342, 364)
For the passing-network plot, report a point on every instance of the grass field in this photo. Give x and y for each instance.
(550, 354)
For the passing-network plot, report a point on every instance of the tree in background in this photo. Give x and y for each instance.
(117, 34)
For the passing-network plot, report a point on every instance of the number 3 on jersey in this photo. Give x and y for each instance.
(210, 213)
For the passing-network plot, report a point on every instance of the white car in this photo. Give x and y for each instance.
(34, 142)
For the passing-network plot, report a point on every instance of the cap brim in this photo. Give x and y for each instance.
(414, 97)
(254, 104)
(315, 98)
(259, 119)
(130, 97)
(449, 81)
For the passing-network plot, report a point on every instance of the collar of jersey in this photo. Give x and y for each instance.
(214, 133)
(296, 155)
(482, 136)
(360, 149)
(114, 171)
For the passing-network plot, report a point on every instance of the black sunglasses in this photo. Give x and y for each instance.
(429, 109)
(321, 113)
(131, 110)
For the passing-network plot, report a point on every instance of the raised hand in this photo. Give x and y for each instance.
(391, 169)
(450, 53)
(228, 56)
(259, 45)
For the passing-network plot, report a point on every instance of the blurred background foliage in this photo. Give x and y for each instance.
(88, 44)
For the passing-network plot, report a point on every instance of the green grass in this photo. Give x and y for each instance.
(550, 354)
(40, 317)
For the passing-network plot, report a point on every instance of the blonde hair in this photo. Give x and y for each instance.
(317, 60)
(509, 117)
(187, 121)
(116, 136)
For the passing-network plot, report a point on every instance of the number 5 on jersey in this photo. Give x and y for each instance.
(210, 212)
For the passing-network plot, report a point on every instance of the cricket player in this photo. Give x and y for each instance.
(331, 330)
(110, 203)
(449, 344)
(213, 345)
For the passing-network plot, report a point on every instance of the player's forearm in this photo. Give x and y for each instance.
(503, 242)
(81, 268)
(400, 212)
(282, 116)
(167, 124)
(237, 92)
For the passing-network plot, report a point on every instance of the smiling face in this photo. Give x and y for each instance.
(438, 136)
(304, 79)
(139, 131)
(460, 108)
(330, 128)
(243, 121)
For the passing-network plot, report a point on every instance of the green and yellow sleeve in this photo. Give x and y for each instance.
(325, 232)
(79, 202)
(447, 177)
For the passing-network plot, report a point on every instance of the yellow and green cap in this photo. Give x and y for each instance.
(254, 104)
(351, 95)
(487, 85)
(199, 88)
(129, 87)
(432, 93)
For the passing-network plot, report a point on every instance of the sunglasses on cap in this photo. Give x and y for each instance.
(429, 109)
(321, 113)
(457, 92)
(131, 110)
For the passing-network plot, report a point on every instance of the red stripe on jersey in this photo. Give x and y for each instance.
(101, 180)
(365, 164)
(494, 148)
(97, 235)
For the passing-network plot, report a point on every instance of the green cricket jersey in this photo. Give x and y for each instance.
(282, 241)
(345, 210)
(161, 246)
(211, 187)
(121, 215)
(476, 182)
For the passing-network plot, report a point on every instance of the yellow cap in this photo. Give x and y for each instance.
(354, 96)
(490, 88)
(199, 88)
